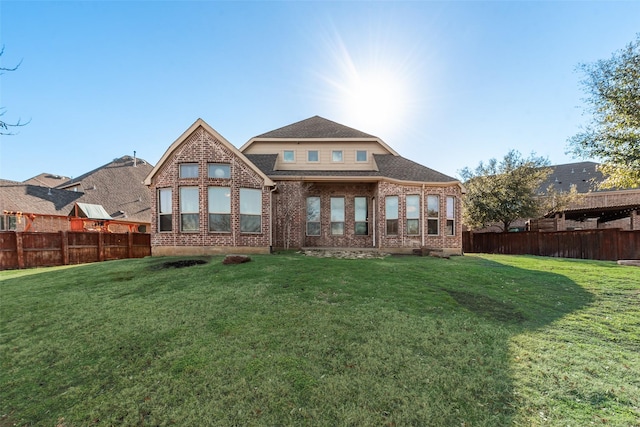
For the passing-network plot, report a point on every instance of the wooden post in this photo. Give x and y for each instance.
(64, 247)
(19, 250)
(129, 245)
(100, 247)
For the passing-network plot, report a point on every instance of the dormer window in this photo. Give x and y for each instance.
(361, 155)
(336, 156)
(312, 156)
(288, 156)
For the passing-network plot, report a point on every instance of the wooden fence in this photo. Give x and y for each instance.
(27, 250)
(602, 244)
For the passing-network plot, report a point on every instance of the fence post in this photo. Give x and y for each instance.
(19, 250)
(130, 244)
(100, 247)
(64, 247)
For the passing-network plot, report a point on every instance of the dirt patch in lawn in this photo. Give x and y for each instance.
(182, 263)
(487, 307)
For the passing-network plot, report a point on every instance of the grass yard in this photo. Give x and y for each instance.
(294, 340)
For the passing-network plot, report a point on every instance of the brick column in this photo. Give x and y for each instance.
(634, 221)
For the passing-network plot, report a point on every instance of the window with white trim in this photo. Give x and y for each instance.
(219, 209)
(337, 215)
(250, 210)
(451, 212)
(361, 155)
(336, 156)
(413, 214)
(433, 215)
(219, 170)
(165, 210)
(391, 214)
(313, 216)
(312, 156)
(188, 170)
(361, 213)
(289, 156)
(189, 209)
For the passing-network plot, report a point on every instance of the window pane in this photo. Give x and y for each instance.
(250, 223)
(189, 170)
(413, 206)
(165, 200)
(313, 209)
(450, 207)
(312, 155)
(337, 209)
(189, 200)
(362, 229)
(391, 207)
(336, 156)
(432, 226)
(219, 200)
(450, 229)
(166, 222)
(361, 156)
(337, 228)
(218, 170)
(433, 206)
(220, 222)
(250, 201)
(413, 226)
(392, 226)
(190, 222)
(288, 156)
(313, 228)
(360, 207)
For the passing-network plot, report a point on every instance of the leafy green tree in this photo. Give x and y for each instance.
(501, 192)
(613, 135)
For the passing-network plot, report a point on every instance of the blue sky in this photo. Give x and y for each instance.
(446, 84)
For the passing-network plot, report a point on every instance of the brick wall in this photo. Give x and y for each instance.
(202, 148)
(290, 214)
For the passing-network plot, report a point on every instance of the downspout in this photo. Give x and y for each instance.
(423, 216)
(374, 223)
(271, 217)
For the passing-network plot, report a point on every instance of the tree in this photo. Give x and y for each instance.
(613, 135)
(500, 193)
(4, 126)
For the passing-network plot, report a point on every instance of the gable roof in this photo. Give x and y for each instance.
(584, 175)
(201, 123)
(37, 199)
(317, 129)
(117, 186)
(388, 166)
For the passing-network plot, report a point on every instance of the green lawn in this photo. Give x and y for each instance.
(294, 340)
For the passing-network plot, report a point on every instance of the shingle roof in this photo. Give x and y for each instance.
(315, 127)
(47, 180)
(118, 186)
(37, 199)
(389, 166)
(584, 175)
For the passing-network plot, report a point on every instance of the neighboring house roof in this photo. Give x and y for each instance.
(201, 123)
(47, 180)
(8, 182)
(389, 166)
(584, 175)
(317, 129)
(37, 199)
(119, 187)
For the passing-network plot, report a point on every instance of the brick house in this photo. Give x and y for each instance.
(314, 183)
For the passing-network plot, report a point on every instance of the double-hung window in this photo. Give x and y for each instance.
(189, 209)
(220, 209)
(337, 215)
(188, 170)
(391, 214)
(360, 207)
(313, 216)
(165, 210)
(433, 214)
(413, 214)
(250, 210)
(219, 170)
(451, 209)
